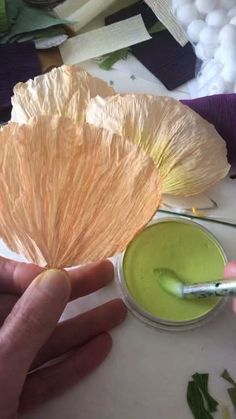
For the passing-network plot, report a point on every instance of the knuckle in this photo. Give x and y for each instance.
(27, 321)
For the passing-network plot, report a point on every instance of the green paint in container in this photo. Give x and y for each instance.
(184, 247)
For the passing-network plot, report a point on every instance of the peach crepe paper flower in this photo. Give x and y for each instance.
(73, 192)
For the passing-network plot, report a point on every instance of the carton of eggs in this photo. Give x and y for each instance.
(211, 28)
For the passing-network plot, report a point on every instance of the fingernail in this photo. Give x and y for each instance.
(230, 269)
(55, 282)
(234, 305)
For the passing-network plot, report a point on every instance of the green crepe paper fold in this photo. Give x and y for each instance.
(40, 34)
(27, 20)
(3, 17)
(13, 9)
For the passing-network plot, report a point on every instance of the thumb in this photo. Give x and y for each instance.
(230, 271)
(33, 319)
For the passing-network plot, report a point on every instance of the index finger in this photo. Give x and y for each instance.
(15, 277)
(230, 271)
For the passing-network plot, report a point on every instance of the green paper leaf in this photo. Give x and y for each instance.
(112, 58)
(196, 402)
(225, 374)
(232, 395)
(157, 27)
(202, 382)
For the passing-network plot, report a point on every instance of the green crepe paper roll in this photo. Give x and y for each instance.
(3, 17)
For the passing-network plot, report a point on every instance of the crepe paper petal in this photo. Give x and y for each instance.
(64, 91)
(187, 150)
(71, 194)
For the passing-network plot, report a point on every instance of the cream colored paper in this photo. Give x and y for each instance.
(104, 40)
(69, 7)
(162, 10)
(83, 13)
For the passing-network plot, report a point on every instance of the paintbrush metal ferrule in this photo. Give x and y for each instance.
(219, 288)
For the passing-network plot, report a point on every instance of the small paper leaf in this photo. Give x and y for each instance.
(232, 395)
(225, 374)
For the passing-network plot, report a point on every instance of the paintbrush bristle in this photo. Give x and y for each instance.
(169, 281)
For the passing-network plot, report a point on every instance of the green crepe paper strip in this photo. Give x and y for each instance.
(13, 8)
(40, 34)
(3, 17)
(231, 391)
(27, 20)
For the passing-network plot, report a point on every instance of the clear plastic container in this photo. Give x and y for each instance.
(139, 312)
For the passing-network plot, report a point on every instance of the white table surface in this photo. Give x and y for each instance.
(146, 374)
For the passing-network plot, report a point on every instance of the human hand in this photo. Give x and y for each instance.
(29, 335)
(230, 271)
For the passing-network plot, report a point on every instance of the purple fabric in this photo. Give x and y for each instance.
(219, 110)
(166, 59)
(162, 55)
(140, 7)
(19, 62)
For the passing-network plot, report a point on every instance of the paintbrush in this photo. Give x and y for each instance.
(172, 284)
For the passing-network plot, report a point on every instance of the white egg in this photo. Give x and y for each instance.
(194, 29)
(212, 68)
(205, 6)
(217, 86)
(229, 74)
(209, 36)
(179, 3)
(218, 53)
(232, 12)
(210, 71)
(217, 18)
(204, 52)
(227, 56)
(203, 79)
(227, 35)
(227, 4)
(209, 51)
(186, 14)
(199, 51)
(233, 21)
